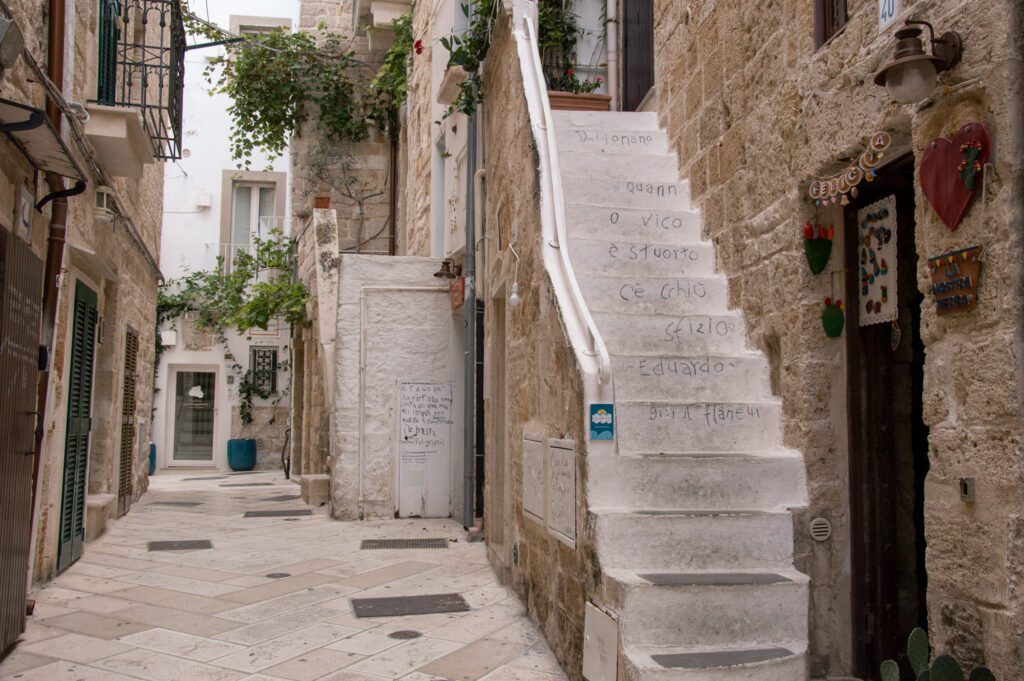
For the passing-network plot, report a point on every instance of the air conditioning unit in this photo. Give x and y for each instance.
(106, 205)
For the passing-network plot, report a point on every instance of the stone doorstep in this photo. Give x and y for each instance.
(98, 508)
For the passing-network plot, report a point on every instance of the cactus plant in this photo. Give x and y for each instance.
(943, 668)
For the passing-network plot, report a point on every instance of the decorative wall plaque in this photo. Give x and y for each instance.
(955, 280)
(876, 261)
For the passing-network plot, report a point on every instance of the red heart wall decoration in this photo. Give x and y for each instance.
(942, 163)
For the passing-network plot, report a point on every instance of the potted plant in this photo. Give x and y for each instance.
(558, 39)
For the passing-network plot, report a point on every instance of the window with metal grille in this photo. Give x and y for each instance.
(263, 363)
(829, 17)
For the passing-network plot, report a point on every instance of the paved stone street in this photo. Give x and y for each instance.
(271, 599)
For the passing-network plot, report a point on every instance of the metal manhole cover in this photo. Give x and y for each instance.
(180, 545)
(404, 634)
(431, 543)
(284, 497)
(246, 484)
(728, 658)
(183, 504)
(408, 605)
(277, 514)
(278, 575)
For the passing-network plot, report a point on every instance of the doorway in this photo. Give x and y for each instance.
(194, 410)
(637, 52)
(888, 438)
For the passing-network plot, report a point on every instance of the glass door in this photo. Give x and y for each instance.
(193, 416)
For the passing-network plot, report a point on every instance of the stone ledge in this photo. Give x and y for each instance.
(315, 489)
(98, 508)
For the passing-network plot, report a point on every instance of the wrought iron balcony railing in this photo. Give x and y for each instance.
(142, 64)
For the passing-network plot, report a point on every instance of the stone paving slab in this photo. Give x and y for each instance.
(123, 613)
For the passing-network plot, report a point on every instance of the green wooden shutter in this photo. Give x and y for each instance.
(76, 445)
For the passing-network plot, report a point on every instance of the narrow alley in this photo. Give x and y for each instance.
(272, 596)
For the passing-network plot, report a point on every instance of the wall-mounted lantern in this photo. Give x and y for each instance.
(911, 75)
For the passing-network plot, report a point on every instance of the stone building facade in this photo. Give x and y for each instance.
(906, 430)
(89, 338)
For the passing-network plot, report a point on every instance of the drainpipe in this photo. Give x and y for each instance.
(58, 226)
(611, 28)
(469, 368)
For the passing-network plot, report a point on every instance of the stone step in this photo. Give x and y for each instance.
(679, 663)
(623, 139)
(623, 191)
(626, 224)
(605, 120)
(769, 480)
(673, 377)
(709, 608)
(654, 295)
(691, 335)
(684, 540)
(701, 427)
(641, 258)
(604, 164)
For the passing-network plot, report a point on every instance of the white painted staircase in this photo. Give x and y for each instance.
(690, 509)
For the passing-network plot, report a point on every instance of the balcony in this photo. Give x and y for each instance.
(136, 115)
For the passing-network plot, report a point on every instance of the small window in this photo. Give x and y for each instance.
(829, 18)
(263, 363)
(252, 214)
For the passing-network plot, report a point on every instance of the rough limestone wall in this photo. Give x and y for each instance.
(415, 239)
(543, 385)
(755, 113)
(317, 162)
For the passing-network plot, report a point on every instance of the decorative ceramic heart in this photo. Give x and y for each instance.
(948, 168)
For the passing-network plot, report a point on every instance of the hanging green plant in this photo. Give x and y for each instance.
(278, 79)
(259, 287)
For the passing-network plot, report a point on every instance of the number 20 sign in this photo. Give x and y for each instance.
(888, 10)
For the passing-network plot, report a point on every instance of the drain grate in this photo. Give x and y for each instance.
(181, 545)
(278, 575)
(284, 497)
(183, 504)
(277, 514)
(408, 605)
(207, 477)
(722, 658)
(246, 484)
(713, 578)
(404, 634)
(430, 543)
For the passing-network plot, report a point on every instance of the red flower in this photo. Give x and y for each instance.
(418, 46)
(570, 72)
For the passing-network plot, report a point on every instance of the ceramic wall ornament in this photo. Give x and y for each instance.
(832, 318)
(817, 246)
(876, 262)
(950, 170)
(955, 280)
(842, 187)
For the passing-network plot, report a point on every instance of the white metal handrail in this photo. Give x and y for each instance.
(561, 242)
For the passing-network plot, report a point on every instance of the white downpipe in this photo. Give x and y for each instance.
(611, 31)
(584, 332)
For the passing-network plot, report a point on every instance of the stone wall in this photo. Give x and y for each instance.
(542, 384)
(755, 113)
(355, 177)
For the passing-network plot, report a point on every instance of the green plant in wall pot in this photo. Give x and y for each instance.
(943, 668)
